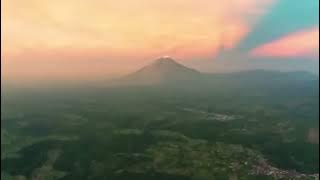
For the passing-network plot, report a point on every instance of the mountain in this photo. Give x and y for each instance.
(162, 70)
(166, 71)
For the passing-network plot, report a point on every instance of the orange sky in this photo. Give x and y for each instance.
(82, 38)
(92, 39)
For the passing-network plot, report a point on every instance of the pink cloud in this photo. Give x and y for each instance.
(297, 44)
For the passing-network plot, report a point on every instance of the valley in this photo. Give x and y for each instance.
(225, 126)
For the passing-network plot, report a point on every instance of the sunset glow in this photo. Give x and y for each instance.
(111, 38)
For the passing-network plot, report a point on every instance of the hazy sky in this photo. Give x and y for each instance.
(94, 39)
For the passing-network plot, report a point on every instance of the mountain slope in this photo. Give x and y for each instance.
(163, 70)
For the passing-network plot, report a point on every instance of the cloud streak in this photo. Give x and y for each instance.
(284, 17)
(297, 44)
